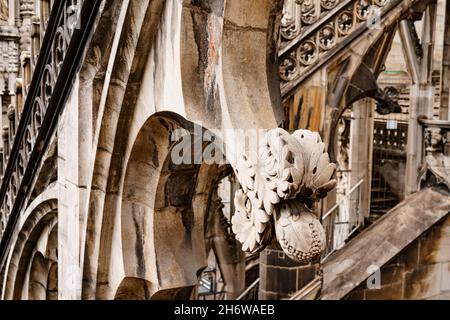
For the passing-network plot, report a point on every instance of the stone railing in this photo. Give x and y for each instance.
(312, 31)
(57, 45)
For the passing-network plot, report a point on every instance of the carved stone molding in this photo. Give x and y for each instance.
(26, 12)
(279, 187)
(9, 62)
(312, 29)
(343, 157)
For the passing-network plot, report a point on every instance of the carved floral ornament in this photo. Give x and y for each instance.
(311, 29)
(278, 189)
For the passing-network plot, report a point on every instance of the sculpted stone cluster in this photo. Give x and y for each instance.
(278, 189)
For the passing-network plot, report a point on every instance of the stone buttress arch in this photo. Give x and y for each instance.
(147, 80)
(31, 271)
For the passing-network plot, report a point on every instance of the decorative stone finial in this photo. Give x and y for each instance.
(26, 7)
(277, 193)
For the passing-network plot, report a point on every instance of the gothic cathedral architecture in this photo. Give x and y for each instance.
(224, 149)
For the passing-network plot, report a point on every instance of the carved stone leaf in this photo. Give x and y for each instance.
(270, 199)
(318, 169)
(288, 170)
(283, 162)
(250, 223)
(246, 173)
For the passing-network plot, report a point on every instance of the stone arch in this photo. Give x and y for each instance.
(32, 262)
(113, 114)
(37, 288)
(356, 78)
(147, 79)
(163, 210)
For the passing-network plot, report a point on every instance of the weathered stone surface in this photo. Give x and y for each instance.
(379, 244)
(391, 274)
(393, 291)
(445, 277)
(276, 267)
(420, 279)
(410, 256)
(276, 257)
(432, 251)
(423, 282)
(281, 280)
(107, 214)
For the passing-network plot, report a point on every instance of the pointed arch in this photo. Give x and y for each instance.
(33, 257)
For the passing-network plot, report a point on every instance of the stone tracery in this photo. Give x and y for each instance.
(310, 29)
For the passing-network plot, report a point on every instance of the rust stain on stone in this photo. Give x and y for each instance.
(304, 110)
(209, 81)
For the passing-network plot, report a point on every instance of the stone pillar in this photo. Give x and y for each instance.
(421, 105)
(422, 92)
(69, 193)
(44, 14)
(12, 11)
(281, 277)
(361, 147)
(35, 39)
(26, 14)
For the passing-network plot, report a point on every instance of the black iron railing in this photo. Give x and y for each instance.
(67, 30)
